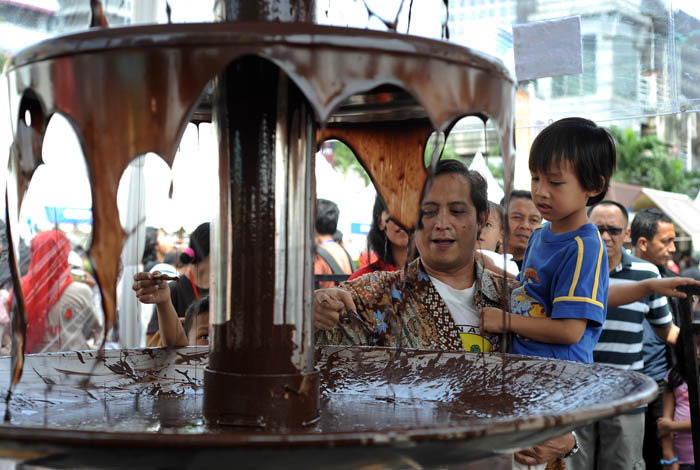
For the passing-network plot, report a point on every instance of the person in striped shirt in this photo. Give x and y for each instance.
(617, 442)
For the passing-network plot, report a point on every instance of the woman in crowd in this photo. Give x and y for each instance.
(386, 240)
(60, 311)
(157, 246)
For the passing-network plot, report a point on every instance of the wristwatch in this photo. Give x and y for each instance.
(573, 449)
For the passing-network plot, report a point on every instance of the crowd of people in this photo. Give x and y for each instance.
(583, 283)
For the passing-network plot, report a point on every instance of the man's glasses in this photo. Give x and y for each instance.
(613, 231)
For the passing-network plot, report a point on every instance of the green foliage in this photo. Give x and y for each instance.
(646, 161)
(3, 60)
(346, 161)
(448, 152)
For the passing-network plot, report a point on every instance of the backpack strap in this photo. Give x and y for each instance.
(330, 261)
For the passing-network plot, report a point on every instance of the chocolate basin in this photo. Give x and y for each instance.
(378, 406)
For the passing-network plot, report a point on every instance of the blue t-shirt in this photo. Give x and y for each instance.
(564, 275)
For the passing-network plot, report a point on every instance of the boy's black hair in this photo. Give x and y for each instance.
(590, 150)
(198, 307)
(327, 214)
(622, 208)
(646, 224)
(517, 194)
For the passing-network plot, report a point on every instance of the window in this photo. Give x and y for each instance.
(583, 83)
(625, 67)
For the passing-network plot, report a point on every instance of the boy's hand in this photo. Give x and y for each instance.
(494, 320)
(150, 288)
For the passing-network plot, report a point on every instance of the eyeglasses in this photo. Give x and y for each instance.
(613, 231)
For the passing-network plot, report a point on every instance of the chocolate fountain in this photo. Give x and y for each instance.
(261, 395)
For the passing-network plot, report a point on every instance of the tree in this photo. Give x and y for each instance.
(647, 162)
(346, 161)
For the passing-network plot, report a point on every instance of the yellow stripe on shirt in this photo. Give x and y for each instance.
(578, 299)
(577, 271)
(597, 269)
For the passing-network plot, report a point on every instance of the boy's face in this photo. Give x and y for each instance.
(199, 331)
(560, 198)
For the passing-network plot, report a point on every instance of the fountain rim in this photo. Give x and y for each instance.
(298, 438)
(249, 33)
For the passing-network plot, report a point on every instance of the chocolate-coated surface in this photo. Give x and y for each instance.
(129, 91)
(458, 406)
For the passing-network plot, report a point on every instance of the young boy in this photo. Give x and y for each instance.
(560, 306)
(197, 323)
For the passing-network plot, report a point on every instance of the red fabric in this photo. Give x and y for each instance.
(44, 283)
(367, 258)
(376, 266)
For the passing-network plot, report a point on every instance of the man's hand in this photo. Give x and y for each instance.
(328, 306)
(547, 451)
(150, 289)
(494, 320)
(667, 285)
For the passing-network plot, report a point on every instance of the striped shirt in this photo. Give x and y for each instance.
(620, 343)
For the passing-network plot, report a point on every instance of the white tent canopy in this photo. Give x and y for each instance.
(479, 165)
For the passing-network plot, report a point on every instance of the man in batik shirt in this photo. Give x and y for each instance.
(434, 303)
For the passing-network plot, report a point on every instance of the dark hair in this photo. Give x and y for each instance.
(611, 203)
(498, 209)
(149, 258)
(198, 307)
(199, 242)
(377, 240)
(680, 372)
(327, 214)
(646, 224)
(478, 189)
(517, 194)
(588, 148)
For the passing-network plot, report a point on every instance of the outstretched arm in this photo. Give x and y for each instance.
(150, 289)
(624, 293)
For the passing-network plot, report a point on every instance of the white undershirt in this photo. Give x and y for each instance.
(460, 303)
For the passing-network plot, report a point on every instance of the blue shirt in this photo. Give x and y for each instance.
(564, 275)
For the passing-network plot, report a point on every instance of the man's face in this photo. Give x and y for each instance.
(523, 218)
(612, 226)
(659, 249)
(446, 241)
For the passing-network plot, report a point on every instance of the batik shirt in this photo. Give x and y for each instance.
(403, 309)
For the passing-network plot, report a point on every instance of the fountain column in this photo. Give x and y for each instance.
(261, 368)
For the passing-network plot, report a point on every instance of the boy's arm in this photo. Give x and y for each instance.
(172, 332)
(544, 330)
